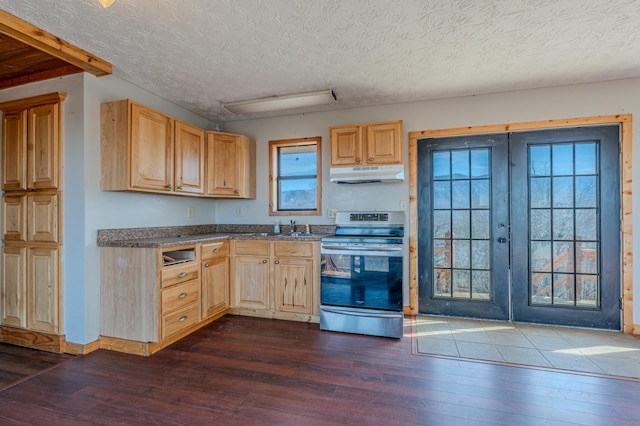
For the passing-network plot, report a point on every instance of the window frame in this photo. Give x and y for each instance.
(274, 177)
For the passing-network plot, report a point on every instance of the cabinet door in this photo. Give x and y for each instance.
(43, 147)
(384, 143)
(189, 158)
(293, 284)
(151, 149)
(14, 217)
(346, 145)
(215, 286)
(223, 162)
(43, 217)
(43, 293)
(14, 150)
(14, 291)
(251, 282)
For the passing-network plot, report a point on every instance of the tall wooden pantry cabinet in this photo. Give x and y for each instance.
(31, 222)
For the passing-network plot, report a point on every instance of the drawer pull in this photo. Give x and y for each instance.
(264, 261)
(206, 265)
(217, 249)
(370, 158)
(182, 318)
(277, 262)
(182, 274)
(182, 295)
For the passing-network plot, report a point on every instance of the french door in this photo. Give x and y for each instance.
(521, 226)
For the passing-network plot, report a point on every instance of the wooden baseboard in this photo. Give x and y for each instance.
(33, 339)
(635, 329)
(80, 349)
(134, 347)
(264, 313)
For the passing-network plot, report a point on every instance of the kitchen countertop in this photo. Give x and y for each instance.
(179, 240)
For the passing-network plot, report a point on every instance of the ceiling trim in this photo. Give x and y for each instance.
(35, 37)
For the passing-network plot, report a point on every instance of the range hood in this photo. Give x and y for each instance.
(367, 174)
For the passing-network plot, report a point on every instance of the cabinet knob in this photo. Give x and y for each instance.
(182, 274)
(182, 318)
(277, 262)
(182, 295)
(370, 158)
(357, 160)
(217, 249)
(169, 186)
(180, 187)
(264, 261)
(237, 191)
(206, 265)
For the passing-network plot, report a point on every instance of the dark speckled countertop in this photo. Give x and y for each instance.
(185, 235)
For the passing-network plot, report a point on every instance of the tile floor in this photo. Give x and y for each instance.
(591, 351)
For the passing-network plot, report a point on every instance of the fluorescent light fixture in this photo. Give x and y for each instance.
(277, 103)
(106, 3)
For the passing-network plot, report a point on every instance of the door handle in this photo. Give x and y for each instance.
(502, 240)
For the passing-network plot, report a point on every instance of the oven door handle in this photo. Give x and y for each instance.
(358, 313)
(354, 249)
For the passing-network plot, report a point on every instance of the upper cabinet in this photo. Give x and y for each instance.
(366, 144)
(231, 164)
(146, 151)
(30, 152)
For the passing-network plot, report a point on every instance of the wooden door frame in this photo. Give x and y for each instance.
(625, 122)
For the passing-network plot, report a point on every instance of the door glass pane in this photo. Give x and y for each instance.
(460, 164)
(461, 224)
(563, 247)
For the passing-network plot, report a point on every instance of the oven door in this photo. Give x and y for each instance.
(362, 276)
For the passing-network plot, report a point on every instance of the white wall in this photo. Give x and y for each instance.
(607, 98)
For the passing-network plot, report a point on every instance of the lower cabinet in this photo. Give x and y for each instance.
(276, 279)
(215, 278)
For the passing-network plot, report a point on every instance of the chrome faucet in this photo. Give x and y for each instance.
(293, 226)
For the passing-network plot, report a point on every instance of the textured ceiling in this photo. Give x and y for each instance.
(199, 53)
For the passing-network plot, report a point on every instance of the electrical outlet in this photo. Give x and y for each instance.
(190, 211)
(240, 211)
(331, 213)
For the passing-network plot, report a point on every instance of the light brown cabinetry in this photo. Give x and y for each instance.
(146, 297)
(276, 279)
(146, 151)
(366, 144)
(231, 164)
(31, 221)
(215, 278)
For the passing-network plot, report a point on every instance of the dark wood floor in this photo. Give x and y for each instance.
(248, 371)
(18, 363)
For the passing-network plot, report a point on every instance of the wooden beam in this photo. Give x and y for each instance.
(39, 76)
(33, 36)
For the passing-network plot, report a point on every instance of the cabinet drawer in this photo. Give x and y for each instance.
(180, 319)
(180, 296)
(255, 248)
(293, 249)
(215, 250)
(180, 273)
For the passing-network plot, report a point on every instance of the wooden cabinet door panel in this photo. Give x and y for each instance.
(14, 281)
(293, 285)
(43, 147)
(151, 149)
(189, 158)
(43, 293)
(384, 143)
(215, 286)
(14, 217)
(14, 151)
(346, 145)
(222, 165)
(251, 282)
(43, 217)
